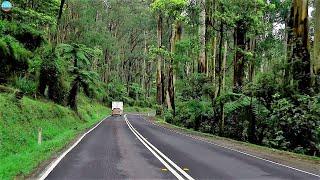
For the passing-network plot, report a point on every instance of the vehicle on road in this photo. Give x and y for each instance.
(117, 108)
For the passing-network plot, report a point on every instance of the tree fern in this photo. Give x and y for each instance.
(4, 50)
(234, 102)
(81, 58)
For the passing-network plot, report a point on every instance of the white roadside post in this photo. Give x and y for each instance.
(39, 136)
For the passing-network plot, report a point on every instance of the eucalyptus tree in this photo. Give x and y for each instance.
(316, 63)
(159, 74)
(298, 42)
(170, 10)
(202, 37)
(248, 21)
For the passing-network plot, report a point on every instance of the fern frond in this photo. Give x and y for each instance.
(4, 47)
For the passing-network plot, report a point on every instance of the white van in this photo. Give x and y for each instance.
(117, 108)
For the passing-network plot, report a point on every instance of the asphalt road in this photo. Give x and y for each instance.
(133, 148)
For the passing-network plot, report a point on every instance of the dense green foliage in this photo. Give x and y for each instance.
(254, 95)
(235, 68)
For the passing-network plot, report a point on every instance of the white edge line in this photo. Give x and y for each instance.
(56, 162)
(247, 154)
(164, 156)
(154, 153)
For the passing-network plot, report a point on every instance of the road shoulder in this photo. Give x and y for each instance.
(302, 162)
(43, 166)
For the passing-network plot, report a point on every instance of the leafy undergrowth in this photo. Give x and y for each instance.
(20, 153)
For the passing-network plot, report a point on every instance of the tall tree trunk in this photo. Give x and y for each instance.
(214, 54)
(316, 63)
(144, 65)
(252, 138)
(176, 36)
(224, 64)
(220, 59)
(300, 55)
(72, 100)
(210, 8)
(159, 64)
(62, 2)
(239, 61)
(211, 21)
(202, 38)
(220, 78)
(252, 62)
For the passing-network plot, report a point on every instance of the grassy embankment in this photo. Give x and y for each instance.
(20, 152)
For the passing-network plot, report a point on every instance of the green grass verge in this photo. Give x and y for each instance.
(20, 153)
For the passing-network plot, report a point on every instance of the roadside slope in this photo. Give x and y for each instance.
(20, 153)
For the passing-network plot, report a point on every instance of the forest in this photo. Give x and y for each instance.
(248, 70)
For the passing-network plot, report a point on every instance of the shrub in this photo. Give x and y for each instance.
(193, 114)
(25, 85)
(293, 124)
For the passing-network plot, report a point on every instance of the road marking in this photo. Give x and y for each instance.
(152, 151)
(51, 166)
(164, 156)
(185, 169)
(244, 153)
(161, 154)
(164, 169)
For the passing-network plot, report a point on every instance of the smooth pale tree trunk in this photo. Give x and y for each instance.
(208, 10)
(146, 81)
(214, 54)
(211, 38)
(316, 59)
(202, 38)
(159, 64)
(219, 62)
(299, 41)
(224, 65)
(252, 63)
(219, 73)
(143, 70)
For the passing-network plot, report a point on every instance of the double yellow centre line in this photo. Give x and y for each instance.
(173, 168)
